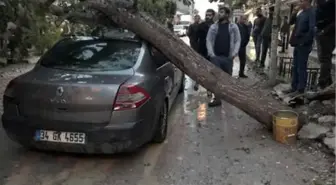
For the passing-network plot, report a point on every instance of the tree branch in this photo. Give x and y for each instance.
(88, 18)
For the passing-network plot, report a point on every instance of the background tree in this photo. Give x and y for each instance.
(40, 23)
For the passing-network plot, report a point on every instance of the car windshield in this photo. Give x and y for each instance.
(92, 55)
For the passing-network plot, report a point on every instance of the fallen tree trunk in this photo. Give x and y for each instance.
(254, 102)
(325, 94)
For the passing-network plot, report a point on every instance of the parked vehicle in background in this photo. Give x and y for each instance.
(93, 95)
(180, 30)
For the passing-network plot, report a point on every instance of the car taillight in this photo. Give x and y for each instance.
(130, 97)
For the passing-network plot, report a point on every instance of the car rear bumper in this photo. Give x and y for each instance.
(108, 139)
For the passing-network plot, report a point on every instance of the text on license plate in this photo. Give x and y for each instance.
(60, 137)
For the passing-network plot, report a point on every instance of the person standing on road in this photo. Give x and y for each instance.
(223, 43)
(302, 39)
(245, 37)
(192, 33)
(202, 34)
(266, 37)
(284, 32)
(258, 26)
(170, 25)
(249, 24)
(325, 24)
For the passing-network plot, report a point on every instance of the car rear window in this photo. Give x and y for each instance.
(92, 55)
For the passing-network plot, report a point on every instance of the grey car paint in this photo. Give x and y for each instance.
(86, 103)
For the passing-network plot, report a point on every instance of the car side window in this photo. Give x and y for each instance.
(158, 58)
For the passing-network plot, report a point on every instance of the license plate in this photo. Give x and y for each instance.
(60, 137)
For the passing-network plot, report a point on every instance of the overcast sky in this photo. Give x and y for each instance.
(203, 5)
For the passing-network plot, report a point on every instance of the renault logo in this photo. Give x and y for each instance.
(59, 91)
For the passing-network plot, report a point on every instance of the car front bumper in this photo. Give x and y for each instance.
(109, 139)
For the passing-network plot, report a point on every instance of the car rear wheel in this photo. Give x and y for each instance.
(162, 128)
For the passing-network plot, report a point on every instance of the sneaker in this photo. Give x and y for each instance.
(296, 93)
(243, 76)
(215, 102)
(196, 87)
(288, 91)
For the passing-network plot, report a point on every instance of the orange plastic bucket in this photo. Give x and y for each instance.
(285, 126)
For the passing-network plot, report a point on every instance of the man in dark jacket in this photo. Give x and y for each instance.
(245, 37)
(192, 33)
(258, 26)
(325, 24)
(302, 40)
(202, 32)
(266, 36)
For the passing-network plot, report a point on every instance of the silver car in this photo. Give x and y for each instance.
(93, 95)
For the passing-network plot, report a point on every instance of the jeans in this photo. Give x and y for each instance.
(283, 42)
(257, 43)
(242, 60)
(325, 47)
(225, 63)
(299, 70)
(265, 46)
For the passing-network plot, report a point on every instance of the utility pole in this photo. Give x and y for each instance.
(273, 67)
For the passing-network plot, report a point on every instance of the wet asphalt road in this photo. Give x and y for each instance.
(205, 146)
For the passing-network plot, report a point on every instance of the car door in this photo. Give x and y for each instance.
(165, 70)
(177, 77)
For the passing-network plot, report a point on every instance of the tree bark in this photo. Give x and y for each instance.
(325, 94)
(258, 104)
(273, 72)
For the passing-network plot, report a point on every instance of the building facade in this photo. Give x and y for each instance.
(185, 7)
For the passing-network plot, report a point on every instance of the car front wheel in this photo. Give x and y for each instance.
(162, 127)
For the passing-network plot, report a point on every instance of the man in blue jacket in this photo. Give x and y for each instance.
(245, 37)
(302, 39)
(223, 43)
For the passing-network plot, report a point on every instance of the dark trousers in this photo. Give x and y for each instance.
(257, 43)
(265, 46)
(283, 42)
(242, 60)
(299, 68)
(223, 62)
(325, 47)
(194, 44)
